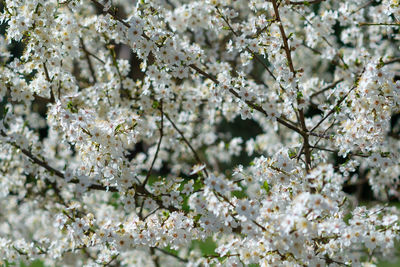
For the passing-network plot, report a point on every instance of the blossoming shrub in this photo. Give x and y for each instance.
(112, 151)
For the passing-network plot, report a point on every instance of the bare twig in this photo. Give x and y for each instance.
(54, 171)
(330, 86)
(306, 145)
(187, 142)
(171, 254)
(91, 69)
(363, 6)
(112, 12)
(300, 3)
(391, 61)
(378, 24)
(306, 3)
(337, 151)
(247, 49)
(249, 103)
(333, 109)
(46, 72)
(158, 146)
(155, 258)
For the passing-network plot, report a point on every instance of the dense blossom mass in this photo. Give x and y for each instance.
(113, 141)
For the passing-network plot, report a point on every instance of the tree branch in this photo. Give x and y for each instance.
(158, 146)
(306, 145)
(306, 3)
(330, 86)
(91, 69)
(187, 142)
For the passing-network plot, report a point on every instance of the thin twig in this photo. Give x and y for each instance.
(319, 139)
(330, 86)
(333, 109)
(197, 69)
(306, 145)
(306, 3)
(391, 61)
(337, 151)
(154, 257)
(158, 146)
(91, 69)
(46, 72)
(378, 24)
(112, 13)
(247, 49)
(301, 3)
(187, 142)
(249, 103)
(54, 171)
(361, 7)
(171, 254)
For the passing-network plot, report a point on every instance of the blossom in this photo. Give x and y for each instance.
(121, 125)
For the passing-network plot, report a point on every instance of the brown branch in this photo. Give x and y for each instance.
(301, 3)
(249, 103)
(337, 151)
(333, 109)
(284, 38)
(46, 72)
(149, 214)
(197, 69)
(139, 189)
(344, 66)
(306, 3)
(52, 170)
(363, 6)
(155, 157)
(158, 146)
(391, 61)
(306, 145)
(319, 139)
(112, 13)
(154, 257)
(42, 99)
(94, 56)
(377, 24)
(247, 49)
(330, 86)
(91, 69)
(171, 254)
(187, 142)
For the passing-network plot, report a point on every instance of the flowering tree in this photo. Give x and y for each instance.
(112, 151)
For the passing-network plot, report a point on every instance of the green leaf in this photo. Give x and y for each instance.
(197, 217)
(299, 95)
(166, 213)
(117, 129)
(185, 204)
(156, 104)
(266, 187)
(381, 63)
(71, 107)
(239, 194)
(292, 153)
(207, 247)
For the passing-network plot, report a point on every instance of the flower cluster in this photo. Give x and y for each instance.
(136, 134)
